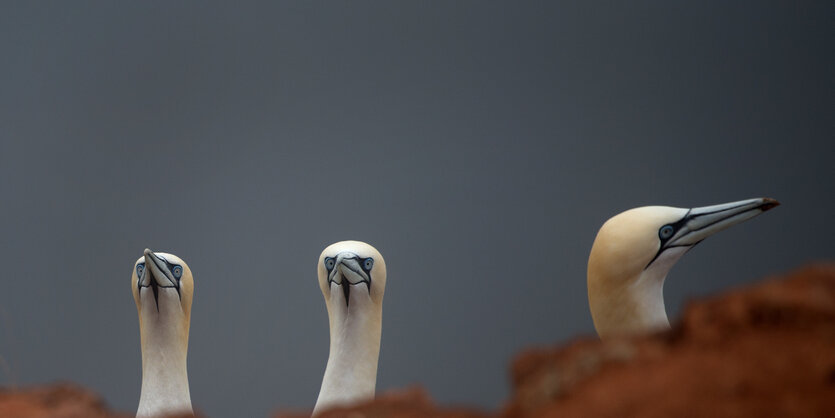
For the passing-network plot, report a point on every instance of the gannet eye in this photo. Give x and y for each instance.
(368, 263)
(177, 271)
(139, 269)
(329, 263)
(666, 231)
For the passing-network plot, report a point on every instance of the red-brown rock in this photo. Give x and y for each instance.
(763, 351)
(413, 402)
(58, 400)
(62, 400)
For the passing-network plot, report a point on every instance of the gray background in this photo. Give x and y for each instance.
(478, 145)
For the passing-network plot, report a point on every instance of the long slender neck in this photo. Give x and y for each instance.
(636, 308)
(351, 373)
(633, 305)
(164, 337)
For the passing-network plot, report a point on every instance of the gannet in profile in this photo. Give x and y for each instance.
(162, 288)
(635, 249)
(352, 276)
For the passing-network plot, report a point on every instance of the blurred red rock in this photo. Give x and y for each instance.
(62, 400)
(763, 351)
(58, 400)
(409, 403)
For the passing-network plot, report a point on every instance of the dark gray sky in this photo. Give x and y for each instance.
(478, 145)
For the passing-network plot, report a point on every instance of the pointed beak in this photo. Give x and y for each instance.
(351, 271)
(157, 268)
(700, 223)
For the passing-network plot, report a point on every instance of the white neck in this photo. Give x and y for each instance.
(164, 337)
(351, 373)
(638, 306)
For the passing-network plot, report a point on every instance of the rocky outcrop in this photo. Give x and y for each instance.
(59, 400)
(761, 351)
(62, 400)
(413, 402)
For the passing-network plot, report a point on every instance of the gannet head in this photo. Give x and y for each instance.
(352, 270)
(634, 251)
(162, 286)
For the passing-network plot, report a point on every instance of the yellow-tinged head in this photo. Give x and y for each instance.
(163, 283)
(352, 266)
(634, 251)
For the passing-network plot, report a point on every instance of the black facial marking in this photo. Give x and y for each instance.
(346, 290)
(166, 268)
(366, 264)
(667, 232)
(155, 288)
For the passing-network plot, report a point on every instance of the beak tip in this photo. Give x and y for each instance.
(148, 251)
(769, 203)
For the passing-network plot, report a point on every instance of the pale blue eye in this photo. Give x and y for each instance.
(139, 269)
(177, 271)
(368, 263)
(666, 231)
(329, 263)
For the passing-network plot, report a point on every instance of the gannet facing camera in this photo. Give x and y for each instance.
(634, 251)
(352, 276)
(163, 287)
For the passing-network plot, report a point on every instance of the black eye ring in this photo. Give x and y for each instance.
(139, 269)
(329, 263)
(666, 232)
(177, 271)
(368, 263)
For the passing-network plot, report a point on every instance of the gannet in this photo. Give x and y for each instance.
(352, 276)
(634, 251)
(163, 287)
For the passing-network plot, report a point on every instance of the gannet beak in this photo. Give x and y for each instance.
(157, 274)
(700, 223)
(347, 272)
(159, 270)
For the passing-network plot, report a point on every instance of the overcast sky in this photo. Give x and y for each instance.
(478, 145)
